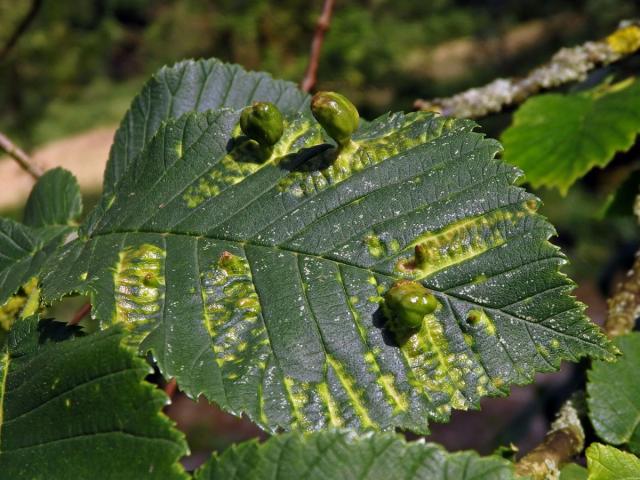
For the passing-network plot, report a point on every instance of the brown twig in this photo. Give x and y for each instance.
(311, 76)
(624, 305)
(564, 440)
(171, 387)
(20, 156)
(80, 314)
(568, 65)
(20, 29)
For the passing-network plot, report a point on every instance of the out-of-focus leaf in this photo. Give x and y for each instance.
(621, 201)
(609, 463)
(558, 138)
(573, 471)
(614, 395)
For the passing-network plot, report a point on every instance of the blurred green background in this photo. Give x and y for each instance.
(76, 65)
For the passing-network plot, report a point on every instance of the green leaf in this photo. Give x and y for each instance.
(53, 205)
(620, 202)
(609, 463)
(54, 201)
(192, 86)
(343, 455)
(614, 395)
(258, 281)
(23, 251)
(18, 246)
(556, 139)
(80, 408)
(573, 471)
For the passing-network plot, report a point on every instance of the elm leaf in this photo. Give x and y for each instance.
(257, 279)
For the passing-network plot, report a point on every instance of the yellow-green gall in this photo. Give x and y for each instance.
(337, 115)
(406, 303)
(263, 123)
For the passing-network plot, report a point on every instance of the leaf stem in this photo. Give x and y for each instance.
(171, 387)
(80, 314)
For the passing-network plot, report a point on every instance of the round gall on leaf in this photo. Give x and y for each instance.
(337, 115)
(262, 122)
(406, 303)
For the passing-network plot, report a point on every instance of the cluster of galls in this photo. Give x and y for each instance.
(263, 122)
(407, 302)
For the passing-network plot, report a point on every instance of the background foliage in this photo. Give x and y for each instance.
(378, 52)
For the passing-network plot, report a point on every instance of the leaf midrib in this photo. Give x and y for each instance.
(243, 244)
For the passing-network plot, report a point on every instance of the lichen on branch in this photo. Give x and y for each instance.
(566, 66)
(624, 305)
(564, 440)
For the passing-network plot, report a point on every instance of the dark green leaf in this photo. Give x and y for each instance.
(343, 455)
(53, 205)
(556, 138)
(23, 251)
(80, 409)
(18, 246)
(192, 86)
(257, 281)
(614, 395)
(54, 201)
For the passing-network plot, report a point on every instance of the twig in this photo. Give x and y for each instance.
(20, 29)
(80, 314)
(310, 77)
(564, 440)
(624, 305)
(567, 65)
(19, 156)
(171, 387)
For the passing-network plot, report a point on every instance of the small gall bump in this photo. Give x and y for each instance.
(405, 305)
(151, 280)
(531, 205)
(263, 123)
(474, 316)
(337, 115)
(230, 263)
